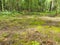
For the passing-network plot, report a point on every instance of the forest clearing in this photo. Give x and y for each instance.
(29, 22)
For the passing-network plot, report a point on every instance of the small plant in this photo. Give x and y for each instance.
(35, 43)
(5, 34)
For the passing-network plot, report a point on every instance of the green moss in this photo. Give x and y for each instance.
(35, 43)
(15, 36)
(55, 29)
(5, 34)
(47, 29)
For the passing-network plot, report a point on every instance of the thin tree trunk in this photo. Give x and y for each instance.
(2, 5)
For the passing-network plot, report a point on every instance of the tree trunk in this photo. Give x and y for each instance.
(2, 5)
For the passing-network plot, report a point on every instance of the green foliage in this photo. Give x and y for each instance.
(30, 5)
(5, 34)
(35, 43)
(5, 13)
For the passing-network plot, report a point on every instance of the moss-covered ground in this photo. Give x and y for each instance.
(29, 30)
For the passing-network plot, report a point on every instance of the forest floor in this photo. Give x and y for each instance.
(29, 30)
